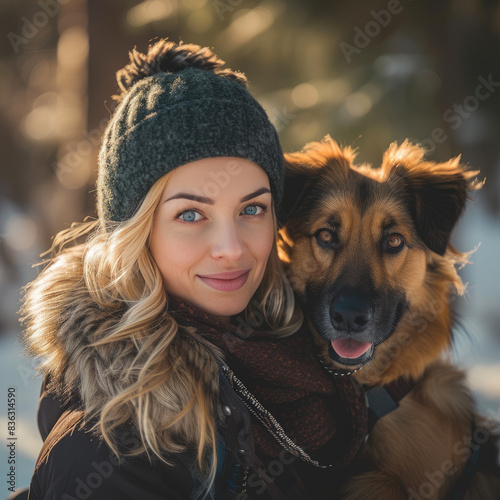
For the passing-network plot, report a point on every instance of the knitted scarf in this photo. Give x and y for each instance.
(315, 409)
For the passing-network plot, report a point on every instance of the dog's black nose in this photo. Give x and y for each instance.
(350, 313)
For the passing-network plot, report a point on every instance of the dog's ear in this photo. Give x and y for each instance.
(303, 168)
(436, 193)
(299, 174)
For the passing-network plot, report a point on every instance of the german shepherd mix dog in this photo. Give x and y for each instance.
(368, 253)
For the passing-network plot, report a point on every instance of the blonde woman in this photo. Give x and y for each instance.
(174, 365)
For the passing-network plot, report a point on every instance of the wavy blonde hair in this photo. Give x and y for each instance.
(129, 359)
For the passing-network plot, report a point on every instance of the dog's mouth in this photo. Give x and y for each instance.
(348, 351)
(351, 352)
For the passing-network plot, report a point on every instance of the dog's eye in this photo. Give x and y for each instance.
(394, 243)
(327, 238)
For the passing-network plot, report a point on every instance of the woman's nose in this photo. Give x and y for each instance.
(227, 242)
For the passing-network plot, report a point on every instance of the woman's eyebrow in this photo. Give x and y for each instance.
(209, 201)
(194, 197)
(259, 191)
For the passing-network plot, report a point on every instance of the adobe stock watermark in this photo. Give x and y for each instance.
(271, 471)
(219, 180)
(28, 374)
(363, 36)
(222, 7)
(462, 449)
(280, 119)
(418, 321)
(82, 149)
(100, 471)
(252, 322)
(30, 28)
(456, 115)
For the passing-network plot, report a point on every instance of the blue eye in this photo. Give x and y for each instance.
(189, 216)
(253, 210)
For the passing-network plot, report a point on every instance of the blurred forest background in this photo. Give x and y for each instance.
(367, 72)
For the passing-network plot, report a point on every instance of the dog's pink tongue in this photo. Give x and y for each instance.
(351, 349)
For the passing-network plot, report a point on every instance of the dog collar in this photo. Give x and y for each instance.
(340, 372)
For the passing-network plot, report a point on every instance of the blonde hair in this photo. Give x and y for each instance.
(133, 363)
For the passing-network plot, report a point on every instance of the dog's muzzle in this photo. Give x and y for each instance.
(350, 315)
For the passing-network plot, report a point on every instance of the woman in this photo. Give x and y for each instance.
(166, 338)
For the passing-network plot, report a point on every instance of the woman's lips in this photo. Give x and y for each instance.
(226, 282)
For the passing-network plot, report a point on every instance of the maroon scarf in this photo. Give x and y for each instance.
(313, 407)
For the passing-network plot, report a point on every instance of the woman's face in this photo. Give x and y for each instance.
(213, 232)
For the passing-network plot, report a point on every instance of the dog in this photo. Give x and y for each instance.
(367, 252)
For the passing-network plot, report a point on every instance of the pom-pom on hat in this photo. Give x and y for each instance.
(178, 105)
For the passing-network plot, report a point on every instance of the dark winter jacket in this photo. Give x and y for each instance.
(73, 464)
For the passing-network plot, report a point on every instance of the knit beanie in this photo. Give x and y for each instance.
(178, 105)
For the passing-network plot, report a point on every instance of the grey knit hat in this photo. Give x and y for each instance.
(177, 106)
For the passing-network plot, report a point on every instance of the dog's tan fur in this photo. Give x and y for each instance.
(421, 201)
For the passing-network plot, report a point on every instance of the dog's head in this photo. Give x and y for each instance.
(369, 254)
